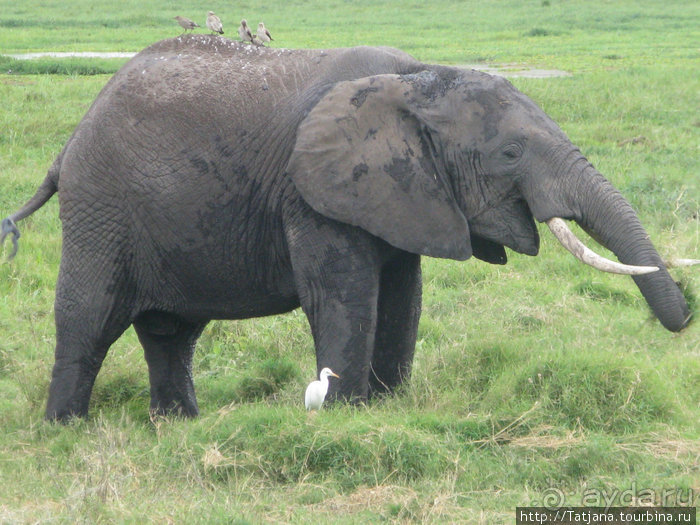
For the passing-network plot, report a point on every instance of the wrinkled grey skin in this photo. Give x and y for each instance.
(213, 180)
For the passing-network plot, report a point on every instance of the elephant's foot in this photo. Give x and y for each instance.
(171, 402)
(68, 399)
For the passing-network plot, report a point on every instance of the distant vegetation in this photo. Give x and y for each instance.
(59, 66)
(536, 378)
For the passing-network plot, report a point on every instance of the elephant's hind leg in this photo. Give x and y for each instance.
(90, 315)
(169, 342)
(399, 311)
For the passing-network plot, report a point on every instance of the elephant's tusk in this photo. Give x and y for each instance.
(675, 263)
(584, 254)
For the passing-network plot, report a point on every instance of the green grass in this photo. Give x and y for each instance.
(533, 376)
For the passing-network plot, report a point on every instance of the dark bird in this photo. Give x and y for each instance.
(244, 31)
(186, 23)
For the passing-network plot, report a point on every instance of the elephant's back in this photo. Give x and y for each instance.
(203, 65)
(186, 110)
(206, 86)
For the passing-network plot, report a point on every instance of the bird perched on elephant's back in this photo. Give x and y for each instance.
(316, 179)
(244, 32)
(263, 34)
(186, 24)
(214, 23)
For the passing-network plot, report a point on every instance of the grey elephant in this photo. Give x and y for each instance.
(212, 180)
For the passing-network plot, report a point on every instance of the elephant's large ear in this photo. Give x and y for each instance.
(365, 155)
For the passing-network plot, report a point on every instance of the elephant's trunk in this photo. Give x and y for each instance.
(607, 216)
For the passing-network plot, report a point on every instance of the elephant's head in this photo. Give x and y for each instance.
(450, 163)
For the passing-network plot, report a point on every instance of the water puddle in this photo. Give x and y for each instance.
(516, 70)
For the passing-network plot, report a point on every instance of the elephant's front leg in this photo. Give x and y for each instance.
(399, 310)
(336, 269)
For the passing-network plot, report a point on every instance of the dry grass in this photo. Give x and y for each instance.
(669, 446)
(547, 437)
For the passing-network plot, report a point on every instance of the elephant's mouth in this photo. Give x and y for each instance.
(509, 223)
(490, 233)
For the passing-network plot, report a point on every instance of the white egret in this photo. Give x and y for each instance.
(316, 391)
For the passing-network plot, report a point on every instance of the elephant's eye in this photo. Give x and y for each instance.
(512, 151)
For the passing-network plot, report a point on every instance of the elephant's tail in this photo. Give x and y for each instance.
(43, 194)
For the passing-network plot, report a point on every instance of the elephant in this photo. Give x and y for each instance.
(213, 180)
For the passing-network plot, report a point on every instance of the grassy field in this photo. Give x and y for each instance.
(539, 381)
